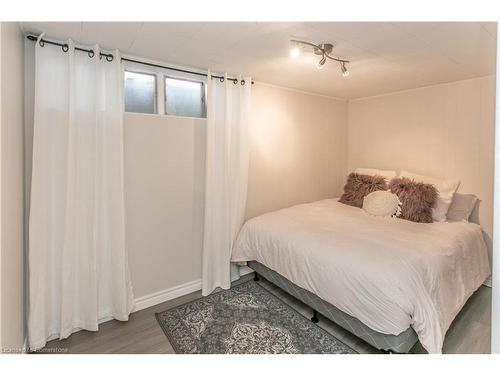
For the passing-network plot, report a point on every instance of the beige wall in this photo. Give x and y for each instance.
(298, 148)
(298, 154)
(164, 186)
(443, 131)
(12, 271)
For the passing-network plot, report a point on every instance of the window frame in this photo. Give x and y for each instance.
(203, 89)
(155, 97)
(160, 94)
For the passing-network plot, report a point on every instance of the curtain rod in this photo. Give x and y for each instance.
(109, 57)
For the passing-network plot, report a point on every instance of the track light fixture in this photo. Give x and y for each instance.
(324, 50)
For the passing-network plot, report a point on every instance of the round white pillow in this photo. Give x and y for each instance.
(382, 203)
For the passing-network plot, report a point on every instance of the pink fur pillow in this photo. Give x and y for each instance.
(417, 199)
(358, 186)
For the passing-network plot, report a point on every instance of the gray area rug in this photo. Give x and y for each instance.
(247, 319)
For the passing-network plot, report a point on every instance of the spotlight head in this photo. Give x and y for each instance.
(345, 72)
(321, 62)
(294, 52)
(295, 49)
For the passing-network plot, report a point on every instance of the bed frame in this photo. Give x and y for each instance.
(401, 343)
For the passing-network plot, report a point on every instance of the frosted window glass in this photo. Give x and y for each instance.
(184, 98)
(140, 92)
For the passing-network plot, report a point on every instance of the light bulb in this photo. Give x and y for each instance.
(294, 52)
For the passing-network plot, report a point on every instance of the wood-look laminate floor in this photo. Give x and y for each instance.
(469, 333)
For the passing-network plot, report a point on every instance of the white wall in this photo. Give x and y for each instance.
(298, 154)
(12, 269)
(495, 298)
(298, 148)
(443, 131)
(1, 185)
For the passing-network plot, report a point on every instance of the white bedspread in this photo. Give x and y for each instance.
(388, 273)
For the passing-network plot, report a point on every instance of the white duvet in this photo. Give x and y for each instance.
(388, 273)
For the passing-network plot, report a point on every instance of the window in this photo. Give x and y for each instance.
(152, 91)
(140, 92)
(184, 97)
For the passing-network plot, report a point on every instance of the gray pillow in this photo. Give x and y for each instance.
(461, 207)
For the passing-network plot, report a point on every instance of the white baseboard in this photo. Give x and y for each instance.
(25, 345)
(152, 299)
(488, 282)
(156, 298)
(244, 270)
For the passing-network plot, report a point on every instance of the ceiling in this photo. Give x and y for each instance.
(385, 57)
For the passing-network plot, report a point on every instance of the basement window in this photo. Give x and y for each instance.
(184, 97)
(140, 92)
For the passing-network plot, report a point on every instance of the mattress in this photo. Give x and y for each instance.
(390, 274)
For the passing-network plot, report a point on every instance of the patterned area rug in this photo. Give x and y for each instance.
(245, 320)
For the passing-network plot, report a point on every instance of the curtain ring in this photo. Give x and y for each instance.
(235, 81)
(65, 47)
(221, 79)
(109, 58)
(91, 53)
(242, 82)
(41, 42)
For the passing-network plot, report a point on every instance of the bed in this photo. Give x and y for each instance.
(389, 281)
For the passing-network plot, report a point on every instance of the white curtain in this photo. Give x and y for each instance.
(78, 267)
(226, 176)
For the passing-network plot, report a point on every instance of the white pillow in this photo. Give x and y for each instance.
(382, 203)
(389, 175)
(446, 189)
